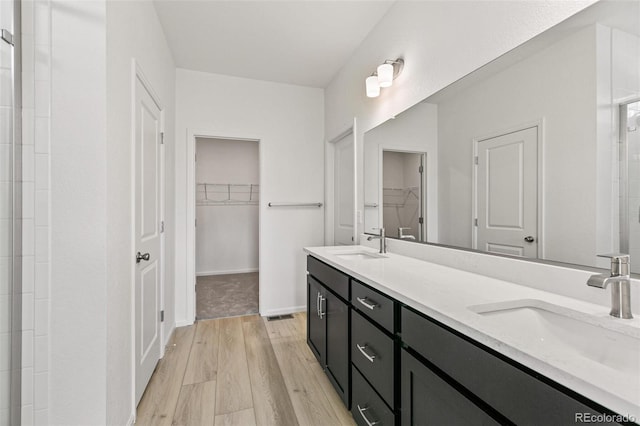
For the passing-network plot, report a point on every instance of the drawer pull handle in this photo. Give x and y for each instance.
(363, 301)
(363, 350)
(362, 410)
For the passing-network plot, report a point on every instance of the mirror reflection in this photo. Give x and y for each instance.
(536, 154)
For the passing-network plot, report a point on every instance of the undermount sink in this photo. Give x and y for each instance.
(358, 255)
(603, 340)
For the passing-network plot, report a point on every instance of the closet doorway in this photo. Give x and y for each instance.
(227, 227)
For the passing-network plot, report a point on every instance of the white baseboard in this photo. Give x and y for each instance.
(169, 336)
(227, 272)
(284, 311)
(132, 418)
(183, 323)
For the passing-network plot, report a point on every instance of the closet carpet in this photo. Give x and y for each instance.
(220, 296)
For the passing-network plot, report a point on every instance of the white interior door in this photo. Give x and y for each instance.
(507, 175)
(343, 191)
(147, 141)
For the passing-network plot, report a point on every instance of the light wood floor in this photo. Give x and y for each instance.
(241, 371)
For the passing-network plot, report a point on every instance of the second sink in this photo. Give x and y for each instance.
(576, 333)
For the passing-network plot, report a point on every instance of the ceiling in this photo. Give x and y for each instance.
(301, 42)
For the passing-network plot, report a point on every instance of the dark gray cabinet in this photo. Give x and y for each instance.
(372, 352)
(500, 386)
(367, 407)
(316, 325)
(426, 399)
(328, 326)
(337, 355)
(392, 365)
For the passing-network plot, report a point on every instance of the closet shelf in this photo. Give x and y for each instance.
(227, 194)
(398, 197)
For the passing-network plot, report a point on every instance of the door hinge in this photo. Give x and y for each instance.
(475, 222)
(162, 316)
(421, 169)
(421, 220)
(161, 138)
(475, 160)
(7, 36)
(162, 226)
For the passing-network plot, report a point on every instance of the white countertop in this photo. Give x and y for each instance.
(444, 294)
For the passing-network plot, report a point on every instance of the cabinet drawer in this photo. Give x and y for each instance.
(429, 400)
(513, 392)
(373, 304)
(330, 277)
(367, 407)
(372, 351)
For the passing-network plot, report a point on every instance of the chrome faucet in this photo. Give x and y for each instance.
(383, 241)
(620, 281)
(402, 236)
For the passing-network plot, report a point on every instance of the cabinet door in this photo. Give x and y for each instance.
(336, 313)
(316, 323)
(429, 400)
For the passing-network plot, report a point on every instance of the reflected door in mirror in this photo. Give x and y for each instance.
(507, 193)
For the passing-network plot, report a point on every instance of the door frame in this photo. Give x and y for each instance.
(425, 202)
(192, 134)
(539, 124)
(329, 191)
(137, 74)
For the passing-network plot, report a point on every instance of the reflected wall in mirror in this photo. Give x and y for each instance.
(536, 154)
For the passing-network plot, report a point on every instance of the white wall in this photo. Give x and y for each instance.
(133, 32)
(91, 351)
(514, 98)
(288, 122)
(227, 235)
(440, 42)
(78, 329)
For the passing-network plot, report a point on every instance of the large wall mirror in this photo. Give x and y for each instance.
(536, 154)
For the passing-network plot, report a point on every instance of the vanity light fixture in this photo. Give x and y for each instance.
(373, 87)
(384, 76)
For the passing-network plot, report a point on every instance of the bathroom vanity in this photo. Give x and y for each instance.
(407, 342)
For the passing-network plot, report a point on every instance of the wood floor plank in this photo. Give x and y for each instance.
(281, 329)
(271, 402)
(233, 391)
(309, 401)
(158, 403)
(342, 414)
(203, 360)
(239, 418)
(301, 324)
(196, 405)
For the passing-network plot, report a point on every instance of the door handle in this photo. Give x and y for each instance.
(140, 257)
(529, 239)
(322, 299)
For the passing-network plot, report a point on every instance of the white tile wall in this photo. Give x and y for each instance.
(36, 75)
